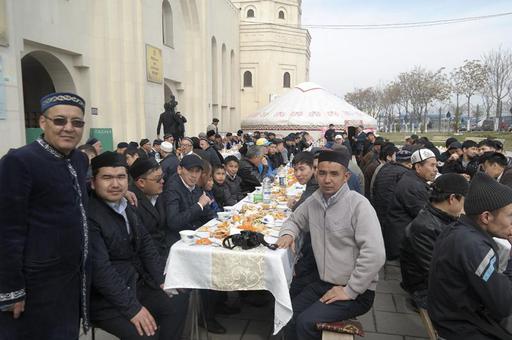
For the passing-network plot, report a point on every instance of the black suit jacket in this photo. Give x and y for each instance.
(120, 261)
(182, 208)
(153, 219)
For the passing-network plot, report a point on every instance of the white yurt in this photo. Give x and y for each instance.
(307, 107)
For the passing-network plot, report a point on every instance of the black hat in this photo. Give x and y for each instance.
(469, 144)
(450, 140)
(157, 142)
(485, 194)
(143, 142)
(455, 145)
(191, 161)
(341, 157)
(451, 183)
(108, 159)
(141, 166)
(133, 144)
(403, 156)
(92, 141)
(122, 145)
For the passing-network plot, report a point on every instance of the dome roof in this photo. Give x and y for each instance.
(307, 106)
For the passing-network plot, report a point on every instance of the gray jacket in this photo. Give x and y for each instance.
(346, 237)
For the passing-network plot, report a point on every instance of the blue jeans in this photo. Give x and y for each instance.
(308, 311)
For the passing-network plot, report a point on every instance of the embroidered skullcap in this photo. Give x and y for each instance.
(62, 98)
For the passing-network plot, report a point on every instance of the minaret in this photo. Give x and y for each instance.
(274, 50)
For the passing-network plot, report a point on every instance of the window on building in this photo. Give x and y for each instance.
(247, 79)
(286, 80)
(167, 24)
(250, 13)
(281, 15)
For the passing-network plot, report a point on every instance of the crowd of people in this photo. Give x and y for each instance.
(87, 232)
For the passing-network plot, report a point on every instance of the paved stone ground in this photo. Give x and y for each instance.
(391, 317)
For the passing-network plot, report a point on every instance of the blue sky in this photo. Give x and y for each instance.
(344, 59)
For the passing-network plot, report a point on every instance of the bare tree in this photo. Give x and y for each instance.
(469, 79)
(366, 100)
(422, 88)
(498, 65)
(487, 100)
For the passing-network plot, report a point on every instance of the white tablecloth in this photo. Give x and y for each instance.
(210, 267)
(217, 268)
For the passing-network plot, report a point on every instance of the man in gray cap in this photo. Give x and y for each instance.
(467, 295)
(411, 194)
(445, 205)
(347, 246)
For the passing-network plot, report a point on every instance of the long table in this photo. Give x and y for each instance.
(217, 268)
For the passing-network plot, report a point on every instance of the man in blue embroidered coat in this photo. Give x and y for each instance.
(43, 229)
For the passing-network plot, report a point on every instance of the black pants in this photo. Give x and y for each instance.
(52, 311)
(306, 271)
(308, 310)
(169, 313)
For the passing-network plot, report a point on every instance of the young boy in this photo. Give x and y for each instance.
(221, 190)
(206, 183)
(233, 181)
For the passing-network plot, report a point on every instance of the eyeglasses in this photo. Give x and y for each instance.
(156, 179)
(62, 121)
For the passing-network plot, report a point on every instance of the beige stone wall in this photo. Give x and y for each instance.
(97, 49)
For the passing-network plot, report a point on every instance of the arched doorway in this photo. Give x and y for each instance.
(167, 93)
(42, 73)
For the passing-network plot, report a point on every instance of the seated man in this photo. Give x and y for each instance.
(147, 186)
(495, 164)
(127, 299)
(467, 295)
(248, 171)
(348, 248)
(445, 206)
(187, 206)
(305, 269)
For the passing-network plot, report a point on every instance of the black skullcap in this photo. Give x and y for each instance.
(455, 145)
(341, 157)
(168, 135)
(450, 140)
(133, 144)
(215, 120)
(122, 145)
(469, 144)
(191, 161)
(108, 159)
(210, 133)
(485, 194)
(157, 142)
(403, 156)
(141, 166)
(143, 142)
(451, 183)
(92, 141)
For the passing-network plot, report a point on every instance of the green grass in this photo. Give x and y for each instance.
(398, 137)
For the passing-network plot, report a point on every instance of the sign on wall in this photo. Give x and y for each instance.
(154, 64)
(4, 41)
(105, 136)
